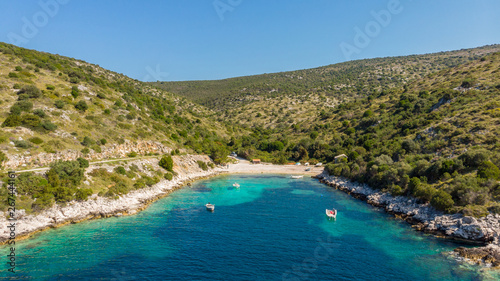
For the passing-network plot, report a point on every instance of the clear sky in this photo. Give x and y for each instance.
(213, 39)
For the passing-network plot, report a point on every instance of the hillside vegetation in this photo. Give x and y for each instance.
(425, 126)
(50, 103)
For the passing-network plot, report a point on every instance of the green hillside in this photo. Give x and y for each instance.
(427, 128)
(54, 103)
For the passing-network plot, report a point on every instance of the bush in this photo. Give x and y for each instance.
(84, 163)
(488, 170)
(22, 144)
(50, 87)
(202, 165)
(15, 110)
(40, 113)
(35, 140)
(103, 141)
(101, 95)
(107, 111)
(59, 104)
(32, 91)
(49, 126)
(167, 163)
(44, 201)
(81, 105)
(24, 105)
(82, 194)
(169, 176)
(132, 154)
(69, 172)
(12, 121)
(3, 158)
(120, 170)
(75, 92)
(13, 75)
(87, 141)
(442, 201)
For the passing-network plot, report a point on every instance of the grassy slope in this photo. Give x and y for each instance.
(119, 108)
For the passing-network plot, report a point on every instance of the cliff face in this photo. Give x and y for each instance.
(186, 166)
(107, 152)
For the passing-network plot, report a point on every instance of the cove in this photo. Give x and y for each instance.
(271, 228)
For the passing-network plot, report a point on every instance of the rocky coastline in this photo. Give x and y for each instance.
(423, 217)
(101, 207)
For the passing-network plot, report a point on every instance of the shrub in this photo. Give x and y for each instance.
(82, 194)
(50, 87)
(44, 201)
(81, 105)
(24, 105)
(132, 154)
(120, 170)
(75, 92)
(101, 95)
(18, 68)
(15, 110)
(69, 172)
(32, 91)
(167, 163)
(169, 176)
(35, 140)
(59, 104)
(202, 165)
(488, 170)
(87, 141)
(12, 121)
(13, 75)
(40, 113)
(103, 141)
(442, 201)
(22, 144)
(84, 163)
(107, 111)
(49, 126)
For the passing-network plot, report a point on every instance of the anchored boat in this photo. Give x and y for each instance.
(236, 185)
(210, 207)
(296, 177)
(331, 213)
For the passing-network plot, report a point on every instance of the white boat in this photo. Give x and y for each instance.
(331, 213)
(296, 177)
(236, 185)
(210, 207)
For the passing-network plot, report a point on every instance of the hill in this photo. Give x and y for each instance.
(426, 126)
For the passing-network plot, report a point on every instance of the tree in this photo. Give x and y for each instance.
(167, 163)
(69, 172)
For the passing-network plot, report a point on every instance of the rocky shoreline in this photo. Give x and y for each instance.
(101, 207)
(425, 218)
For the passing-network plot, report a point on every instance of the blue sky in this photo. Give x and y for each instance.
(207, 39)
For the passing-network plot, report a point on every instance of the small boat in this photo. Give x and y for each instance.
(210, 207)
(236, 185)
(296, 177)
(331, 213)
(308, 169)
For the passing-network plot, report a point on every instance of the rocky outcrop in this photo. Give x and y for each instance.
(488, 255)
(97, 207)
(107, 152)
(485, 230)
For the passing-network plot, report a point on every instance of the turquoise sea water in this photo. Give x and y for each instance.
(271, 228)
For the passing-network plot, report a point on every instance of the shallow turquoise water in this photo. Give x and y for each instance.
(272, 228)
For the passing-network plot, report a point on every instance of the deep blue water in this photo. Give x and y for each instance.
(272, 228)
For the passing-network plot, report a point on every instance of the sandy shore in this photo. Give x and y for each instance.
(245, 167)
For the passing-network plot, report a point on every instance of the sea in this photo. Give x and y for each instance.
(270, 228)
